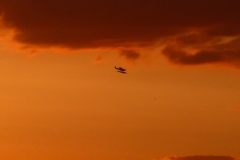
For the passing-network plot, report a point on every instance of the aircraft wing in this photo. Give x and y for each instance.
(120, 68)
(122, 72)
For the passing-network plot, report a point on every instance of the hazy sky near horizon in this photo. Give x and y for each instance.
(62, 99)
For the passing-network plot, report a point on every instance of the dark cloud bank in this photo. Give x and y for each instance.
(200, 24)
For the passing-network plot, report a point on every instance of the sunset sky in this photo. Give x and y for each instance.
(62, 99)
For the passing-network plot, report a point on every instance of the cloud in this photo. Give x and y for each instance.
(130, 55)
(195, 32)
(200, 158)
(99, 59)
(85, 24)
(199, 48)
(202, 57)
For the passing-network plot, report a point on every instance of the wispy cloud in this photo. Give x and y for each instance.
(130, 55)
(202, 57)
(99, 59)
(199, 48)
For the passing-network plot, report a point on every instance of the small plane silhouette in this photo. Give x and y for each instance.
(120, 69)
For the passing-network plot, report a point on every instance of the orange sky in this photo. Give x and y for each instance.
(61, 98)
